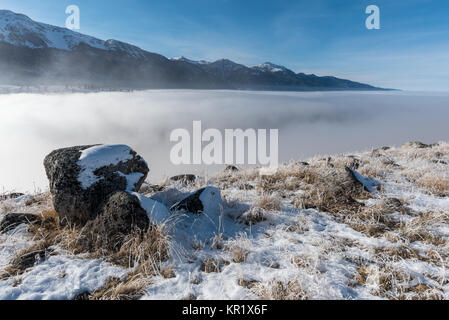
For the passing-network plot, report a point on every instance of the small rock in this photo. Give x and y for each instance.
(12, 220)
(184, 178)
(205, 199)
(231, 168)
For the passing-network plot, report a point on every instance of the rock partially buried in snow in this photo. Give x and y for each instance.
(12, 220)
(14, 195)
(206, 200)
(82, 177)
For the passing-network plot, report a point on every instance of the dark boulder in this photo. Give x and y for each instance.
(119, 216)
(82, 177)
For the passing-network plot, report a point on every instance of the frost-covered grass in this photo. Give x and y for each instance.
(307, 232)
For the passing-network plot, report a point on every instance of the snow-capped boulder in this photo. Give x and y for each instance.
(82, 177)
(206, 200)
(120, 215)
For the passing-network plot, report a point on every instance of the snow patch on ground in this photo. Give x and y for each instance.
(59, 278)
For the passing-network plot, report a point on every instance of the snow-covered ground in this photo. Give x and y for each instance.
(270, 237)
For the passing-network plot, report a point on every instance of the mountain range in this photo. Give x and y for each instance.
(34, 53)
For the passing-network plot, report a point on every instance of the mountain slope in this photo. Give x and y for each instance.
(33, 53)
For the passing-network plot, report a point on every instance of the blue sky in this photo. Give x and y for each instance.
(325, 37)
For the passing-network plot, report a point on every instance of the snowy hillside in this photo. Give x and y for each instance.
(311, 231)
(20, 30)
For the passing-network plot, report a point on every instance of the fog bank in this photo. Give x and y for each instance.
(33, 125)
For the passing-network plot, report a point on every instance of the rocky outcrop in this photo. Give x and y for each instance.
(82, 177)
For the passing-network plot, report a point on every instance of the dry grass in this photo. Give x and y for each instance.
(289, 177)
(278, 290)
(168, 273)
(436, 185)
(253, 216)
(132, 288)
(238, 248)
(212, 265)
(269, 203)
(145, 250)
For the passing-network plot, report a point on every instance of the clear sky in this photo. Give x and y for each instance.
(325, 37)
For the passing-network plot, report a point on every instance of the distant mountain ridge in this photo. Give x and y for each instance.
(37, 53)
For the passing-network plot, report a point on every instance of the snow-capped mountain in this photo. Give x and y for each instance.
(270, 67)
(37, 53)
(184, 59)
(20, 30)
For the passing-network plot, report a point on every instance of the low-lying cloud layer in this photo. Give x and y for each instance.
(309, 123)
